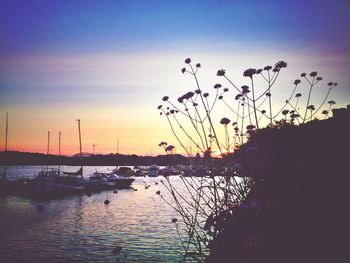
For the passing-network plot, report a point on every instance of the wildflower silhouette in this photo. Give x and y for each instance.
(193, 119)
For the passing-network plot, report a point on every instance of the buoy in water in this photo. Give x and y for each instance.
(116, 250)
(106, 202)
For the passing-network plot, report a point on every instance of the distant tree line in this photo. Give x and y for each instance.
(27, 158)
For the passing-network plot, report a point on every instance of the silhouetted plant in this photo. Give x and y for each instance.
(225, 122)
(170, 149)
(191, 116)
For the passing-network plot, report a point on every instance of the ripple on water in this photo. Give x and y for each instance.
(82, 228)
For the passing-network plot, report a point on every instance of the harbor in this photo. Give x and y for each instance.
(83, 228)
(174, 131)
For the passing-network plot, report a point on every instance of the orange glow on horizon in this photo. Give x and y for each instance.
(116, 95)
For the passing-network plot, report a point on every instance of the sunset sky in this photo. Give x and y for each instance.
(109, 63)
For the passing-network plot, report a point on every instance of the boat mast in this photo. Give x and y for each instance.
(6, 136)
(59, 150)
(48, 147)
(48, 142)
(6, 131)
(81, 151)
(117, 152)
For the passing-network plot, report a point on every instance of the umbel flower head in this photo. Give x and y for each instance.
(205, 95)
(162, 144)
(183, 70)
(285, 112)
(238, 96)
(169, 148)
(249, 72)
(188, 95)
(297, 81)
(245, 89)
(267, 68)
(187, 60)
(279, 65)
(159, 107)
(311, 107)
(180, 99)
(303, 75)
(198, 65)
(225, 121)
(165, 98)
(298, 95)
(217, 86)
(221, 72)
(313, 74)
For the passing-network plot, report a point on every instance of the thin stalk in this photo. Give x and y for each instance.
(308, 97)
(207, 112)
(188, 136)
(254, 106)
(329, 90)
(177, 138)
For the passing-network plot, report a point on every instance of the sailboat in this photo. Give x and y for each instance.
(114, 178)
(123, 170)
(70, 178)
(52, 182)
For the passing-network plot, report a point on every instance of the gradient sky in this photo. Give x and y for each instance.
(110, 62)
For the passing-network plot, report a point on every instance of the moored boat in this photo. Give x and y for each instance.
(153, 170)
(124, 171)
(117, 181)
(170, 170)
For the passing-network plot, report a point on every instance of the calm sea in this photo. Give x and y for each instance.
(82, 228)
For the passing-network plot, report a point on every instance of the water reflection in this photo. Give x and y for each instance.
(82, 228)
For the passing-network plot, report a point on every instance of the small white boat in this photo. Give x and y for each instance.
(117, 180)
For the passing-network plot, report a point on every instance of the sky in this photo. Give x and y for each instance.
(109, 63)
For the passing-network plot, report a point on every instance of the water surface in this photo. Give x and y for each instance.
(82, 228)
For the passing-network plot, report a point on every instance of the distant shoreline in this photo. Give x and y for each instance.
(11, 158)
